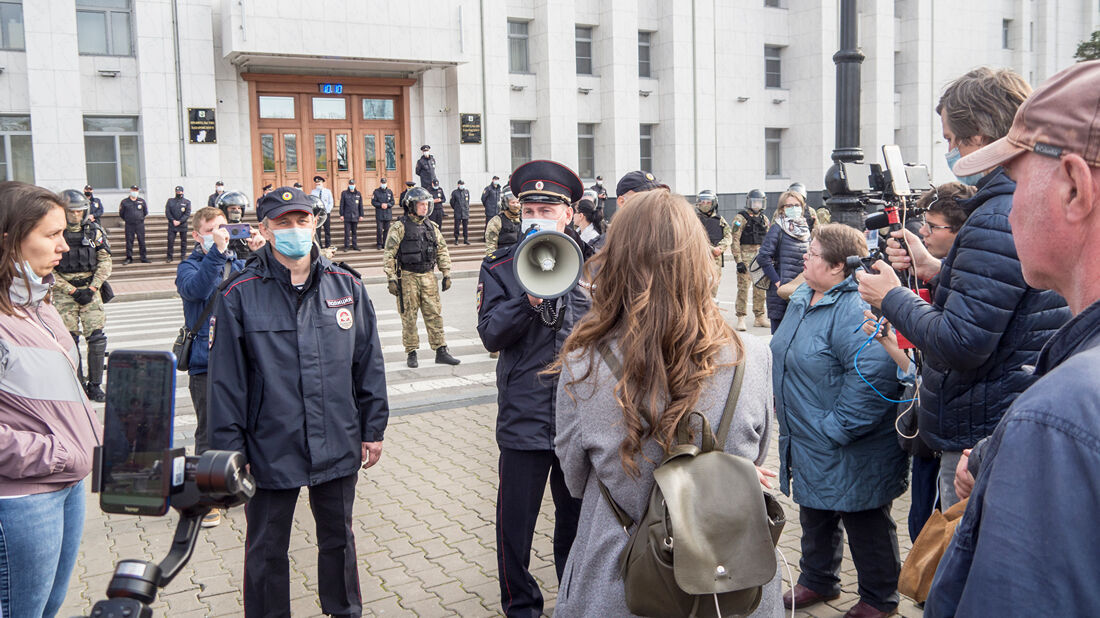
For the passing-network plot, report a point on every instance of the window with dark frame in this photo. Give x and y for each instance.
(584, 50)
(111, 151)
(11, 26)
(773, 147)
(517, 47)
(104, 27)
(16, 150)
(521, 142)
(645, 147)
(645, 46)
(586, 150)
(773, 67)
(1006, 32)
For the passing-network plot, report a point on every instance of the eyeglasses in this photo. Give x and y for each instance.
(792, 205)
(810, 253)
(935, 227)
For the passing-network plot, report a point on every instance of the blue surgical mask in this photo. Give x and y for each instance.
(295, 242)
(792, 212)
(953, 157)
(207, 242)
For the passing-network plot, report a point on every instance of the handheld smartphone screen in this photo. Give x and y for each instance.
(137, 430)
(891, 153)
(237, 231)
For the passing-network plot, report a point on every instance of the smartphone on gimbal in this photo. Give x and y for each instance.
(136, 474)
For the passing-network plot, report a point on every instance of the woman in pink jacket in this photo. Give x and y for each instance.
(47, 427)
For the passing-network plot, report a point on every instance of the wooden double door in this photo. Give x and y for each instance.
(338, 154)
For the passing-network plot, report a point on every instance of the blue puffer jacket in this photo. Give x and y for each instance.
(983, 325)
(196, 279)
(780, 256)
(837, 444)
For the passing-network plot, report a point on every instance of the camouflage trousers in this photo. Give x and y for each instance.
(75, 316)
(744, 284)
(421, 294)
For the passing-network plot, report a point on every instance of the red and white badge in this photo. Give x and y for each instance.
(344, 319)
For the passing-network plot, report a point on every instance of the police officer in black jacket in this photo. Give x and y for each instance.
(351, 210)
(512, 322)
(133, 210)
(439, 200)
(297, 383)
(490, 198)
(95, 206)
(382, 200)
(460, 204)
(177, 210)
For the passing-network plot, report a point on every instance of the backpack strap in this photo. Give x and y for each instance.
(723, 428)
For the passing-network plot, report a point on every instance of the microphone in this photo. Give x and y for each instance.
(877, 221)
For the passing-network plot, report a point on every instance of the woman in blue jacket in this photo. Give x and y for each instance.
(781, 251)
(837, 446)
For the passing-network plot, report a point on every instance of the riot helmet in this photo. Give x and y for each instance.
(706, 202)
(798, 188)
(508, 198)
(76, 206)
(319, 213)
(756, 200)
(232, 203)
(413, 197)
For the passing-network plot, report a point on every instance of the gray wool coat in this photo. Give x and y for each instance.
(587, 444)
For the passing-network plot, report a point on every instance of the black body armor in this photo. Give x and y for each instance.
(417, 250)
(756, 226)
(80, 258)
(509, 232)
(713, 226)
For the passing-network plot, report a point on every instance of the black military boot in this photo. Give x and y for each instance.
(443, 357)
(95, 393)
(411, 362)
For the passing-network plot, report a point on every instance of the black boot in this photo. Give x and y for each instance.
(95, 393)
(443, 357)
(411, 362)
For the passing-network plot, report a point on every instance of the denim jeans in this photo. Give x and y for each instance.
(39, 539)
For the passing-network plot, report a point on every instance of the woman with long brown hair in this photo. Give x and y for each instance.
(47, 427)
(651, 304)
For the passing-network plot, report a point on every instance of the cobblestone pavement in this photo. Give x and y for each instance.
(424, 531)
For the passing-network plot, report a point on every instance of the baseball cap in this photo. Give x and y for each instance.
(1061, 116)
(638, 181)
(283, 200)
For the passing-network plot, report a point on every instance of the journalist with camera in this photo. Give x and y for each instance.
(985, 323)
(297, 383)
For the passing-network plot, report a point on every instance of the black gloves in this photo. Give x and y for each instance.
(446, 282)
(83, 296)
(741, 268)
(392, 286)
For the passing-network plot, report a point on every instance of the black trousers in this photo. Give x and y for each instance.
(196, 384)
(182, 233)
(465, 225)
(135, 230)
(873, 541)
(382, 230)
(270, 516)
(351, 234)
(327, 227)
(519, 498)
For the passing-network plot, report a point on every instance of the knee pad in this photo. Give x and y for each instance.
(97, 336)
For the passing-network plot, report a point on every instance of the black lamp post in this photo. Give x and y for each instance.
(846, 209)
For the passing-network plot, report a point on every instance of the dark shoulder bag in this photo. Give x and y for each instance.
(706, 543)
(181, 347)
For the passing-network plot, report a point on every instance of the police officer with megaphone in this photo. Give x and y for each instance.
(527, 305)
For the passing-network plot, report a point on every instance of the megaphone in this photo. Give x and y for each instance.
(548, 264)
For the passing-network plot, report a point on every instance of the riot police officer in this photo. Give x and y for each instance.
(413, 249)
(503, 229)
(233, 203)
(718, 231)
(81, 274)
(749, 227)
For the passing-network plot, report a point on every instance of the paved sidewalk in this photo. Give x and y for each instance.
(424, 531)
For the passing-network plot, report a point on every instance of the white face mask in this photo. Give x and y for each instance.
(207, 242)
(539, 225)
(134, 194)
(219, 189)
(383, 185)
(352, 187)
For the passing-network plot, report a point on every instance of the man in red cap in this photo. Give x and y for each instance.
(1021, 549)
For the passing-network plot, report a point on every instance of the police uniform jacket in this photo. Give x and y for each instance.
(177, 209)
(425, 170)
(133, 212)
(95, 208)
(290, 386)
(508, 324)
(490, 199)
(460, 202)
(382, 196)
(351, 205)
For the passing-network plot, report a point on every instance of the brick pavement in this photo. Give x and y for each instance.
(424, 531)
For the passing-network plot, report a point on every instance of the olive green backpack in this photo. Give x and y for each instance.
(706, 543)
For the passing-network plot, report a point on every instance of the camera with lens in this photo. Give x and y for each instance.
(889, 194)
(137, 472)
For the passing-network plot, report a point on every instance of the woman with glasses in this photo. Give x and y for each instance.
(838, 451)
(782, 249)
